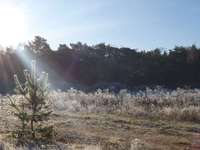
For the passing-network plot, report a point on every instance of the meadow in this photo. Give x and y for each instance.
(102, 120)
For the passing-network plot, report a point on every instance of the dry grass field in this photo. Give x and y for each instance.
(145, 120)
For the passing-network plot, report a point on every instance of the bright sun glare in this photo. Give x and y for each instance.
(12, 25)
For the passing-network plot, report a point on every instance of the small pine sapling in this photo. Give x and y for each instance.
(33, 109)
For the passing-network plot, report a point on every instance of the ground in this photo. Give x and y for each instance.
(117, 131)
(155, 120)
(123, 132)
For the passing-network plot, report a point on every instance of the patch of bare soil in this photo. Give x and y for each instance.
(195, 142)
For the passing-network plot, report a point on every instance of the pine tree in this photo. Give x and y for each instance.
(33, 109)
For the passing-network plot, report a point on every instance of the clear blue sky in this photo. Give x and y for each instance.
(132, 23)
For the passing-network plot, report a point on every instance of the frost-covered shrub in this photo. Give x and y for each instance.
(179, 104)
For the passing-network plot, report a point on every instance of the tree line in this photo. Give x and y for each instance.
(102, 64)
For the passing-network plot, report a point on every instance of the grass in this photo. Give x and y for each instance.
(106, 121)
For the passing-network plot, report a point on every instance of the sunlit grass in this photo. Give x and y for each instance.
(103, 119)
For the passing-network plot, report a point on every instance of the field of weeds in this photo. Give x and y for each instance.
(102, 120)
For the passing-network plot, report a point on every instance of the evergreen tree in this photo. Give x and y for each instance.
(33, 109)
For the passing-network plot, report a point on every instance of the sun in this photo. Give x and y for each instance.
(12, 25)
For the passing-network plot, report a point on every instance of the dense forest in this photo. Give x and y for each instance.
(102, 65)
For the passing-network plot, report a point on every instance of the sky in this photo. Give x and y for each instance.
(141, 24)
